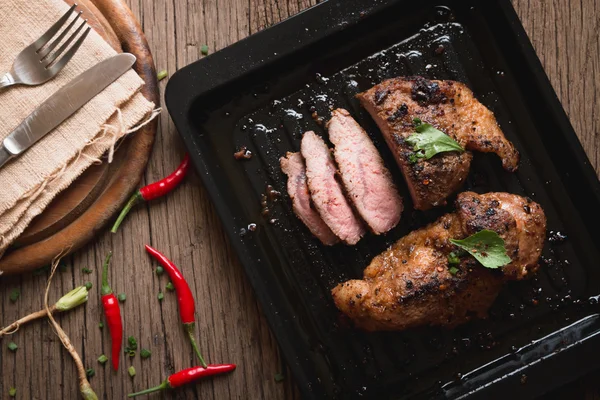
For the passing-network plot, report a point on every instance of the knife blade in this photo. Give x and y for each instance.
(64, 103)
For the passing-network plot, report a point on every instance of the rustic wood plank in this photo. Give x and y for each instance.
(565, 36)
(231, 326)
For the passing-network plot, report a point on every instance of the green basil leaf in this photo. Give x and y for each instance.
(487, 248)
(453, 259)
(429, 141)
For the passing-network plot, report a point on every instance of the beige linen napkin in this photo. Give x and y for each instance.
(30, 182)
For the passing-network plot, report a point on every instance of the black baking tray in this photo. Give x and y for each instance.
(261, 92)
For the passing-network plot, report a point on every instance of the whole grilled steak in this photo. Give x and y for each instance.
(367, 181)
(293, 166)
(411, 284)
(326, 192)
(450, 107)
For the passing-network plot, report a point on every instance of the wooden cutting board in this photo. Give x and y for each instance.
(91, 202)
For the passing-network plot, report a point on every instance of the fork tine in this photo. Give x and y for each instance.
(43, 53)
(38, 44)
(60, 64)
(65, 45)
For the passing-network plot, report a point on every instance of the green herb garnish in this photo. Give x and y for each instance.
(170, 286)
(145, 353)
(88, 285)
(86, 270)
(14, 295)
(131, 353)
(101, 325)
(131, 371)
(90, 372)
(453, 259)
(102, 359)
(132, 343)
(453, 270)
(161, 296)
(487, 248)
(429, 141)
(122, 297)
(162, 75)
(204, 49)
(12, 346)
(279, 377)
(159, 270)
(12, 392)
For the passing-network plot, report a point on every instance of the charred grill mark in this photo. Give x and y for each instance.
(426, 92)
(399, 140)
(399, 113)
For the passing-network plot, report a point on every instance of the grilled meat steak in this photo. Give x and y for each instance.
(518, 220)
(326, 192)
(410, 284)
(450, 107)
(293, 166)
(367, 181)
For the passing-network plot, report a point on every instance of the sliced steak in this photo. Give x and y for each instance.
(326, 192)
(367, 181)
(450, 107)
(293, 166)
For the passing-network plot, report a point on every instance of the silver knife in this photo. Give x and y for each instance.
(62, 104)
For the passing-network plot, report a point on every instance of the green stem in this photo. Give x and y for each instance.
(133, 200)
(87, 392)
(163, 386)
(105, 286)
(190, 330)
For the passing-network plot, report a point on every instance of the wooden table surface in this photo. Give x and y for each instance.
(231, 327)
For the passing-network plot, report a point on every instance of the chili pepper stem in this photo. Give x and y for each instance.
(12, 328)
(105, 289)
(163, 386)
(132, 202)
(190, 330)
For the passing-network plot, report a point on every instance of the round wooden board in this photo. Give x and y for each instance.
(74, 216)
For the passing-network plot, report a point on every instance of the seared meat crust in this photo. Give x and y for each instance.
(450, 107)
(410, 284)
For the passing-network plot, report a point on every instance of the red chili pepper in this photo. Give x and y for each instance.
(188, 376)
(185, 298)
(113, 315)
(155, 190)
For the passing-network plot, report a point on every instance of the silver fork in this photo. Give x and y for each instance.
(35, 65)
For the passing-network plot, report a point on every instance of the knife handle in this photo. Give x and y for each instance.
(5, 156)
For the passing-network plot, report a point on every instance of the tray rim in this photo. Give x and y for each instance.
(179, 99)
